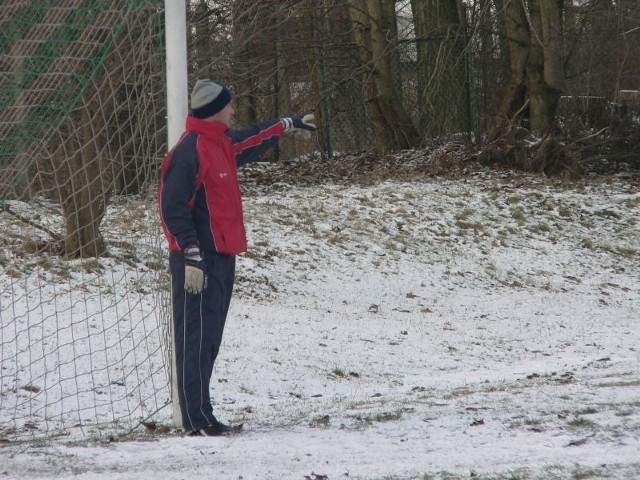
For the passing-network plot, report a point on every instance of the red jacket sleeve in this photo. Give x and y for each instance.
(250, 144)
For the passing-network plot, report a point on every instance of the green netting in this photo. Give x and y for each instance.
(82, 123)
(52, 53)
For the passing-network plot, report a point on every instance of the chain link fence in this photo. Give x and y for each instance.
(281, 62)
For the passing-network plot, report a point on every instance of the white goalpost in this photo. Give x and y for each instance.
(177, 107)
(177, 70)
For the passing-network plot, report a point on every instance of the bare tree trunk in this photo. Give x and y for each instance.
(246, 101)
(488, 66)
(546, 79)
(317, 75)
(201, 39)
(81, 188)
(537, 93)
(442, 65)
(536, 78)
(515, 92)
(282, 99)
(393, 126)
(553, 43)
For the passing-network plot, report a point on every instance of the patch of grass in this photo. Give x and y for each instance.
(564, 211)
(388, 416)
(606, 248)
(475, 226)
(625, 413)
(12, 272)
(381, 417)
(492, 269)
(338, 239)
(441, 476)
(583, 473)
(322, 421)
(425, 476)
(626, 252)
(588, 243)
(308, 219)
(540, 228)
(492, 196)
(581, 423)
(45, 263)
(518, 215)
(632, 203)
(606, 213)
(57, 267)
(589, 224)
(531, 424)
(621, 383)
(518, 474)
(588, 411)
(34, 246)
(465, 213)
(92, 266)
(157, 264)
(366, 201)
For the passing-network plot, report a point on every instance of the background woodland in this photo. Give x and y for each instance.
(548, 86)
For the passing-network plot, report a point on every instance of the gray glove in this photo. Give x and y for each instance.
(301, 123)
(194, 278)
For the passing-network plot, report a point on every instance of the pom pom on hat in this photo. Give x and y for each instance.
(208, 98)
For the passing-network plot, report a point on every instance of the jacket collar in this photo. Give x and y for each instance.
(206, 128)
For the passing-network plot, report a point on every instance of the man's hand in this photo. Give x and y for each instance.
(301, 123)
(194, 278)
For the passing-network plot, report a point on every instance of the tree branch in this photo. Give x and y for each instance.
(22, 218)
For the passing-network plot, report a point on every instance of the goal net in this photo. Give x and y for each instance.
(83, 129)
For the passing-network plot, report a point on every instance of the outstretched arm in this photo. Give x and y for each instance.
(255, 141)
(250, 144)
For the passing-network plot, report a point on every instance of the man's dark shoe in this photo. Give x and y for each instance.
(214, 430)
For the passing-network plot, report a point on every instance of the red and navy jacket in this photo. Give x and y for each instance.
(199, 193)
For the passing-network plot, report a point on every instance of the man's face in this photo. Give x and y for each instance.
(225, 115)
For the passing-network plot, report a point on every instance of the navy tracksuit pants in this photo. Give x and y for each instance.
(198, 324)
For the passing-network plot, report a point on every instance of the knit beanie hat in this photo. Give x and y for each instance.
(208, 98)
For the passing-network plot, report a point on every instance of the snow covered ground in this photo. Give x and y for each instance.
(483, 327)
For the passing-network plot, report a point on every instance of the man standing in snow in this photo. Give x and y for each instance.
(202, 218)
